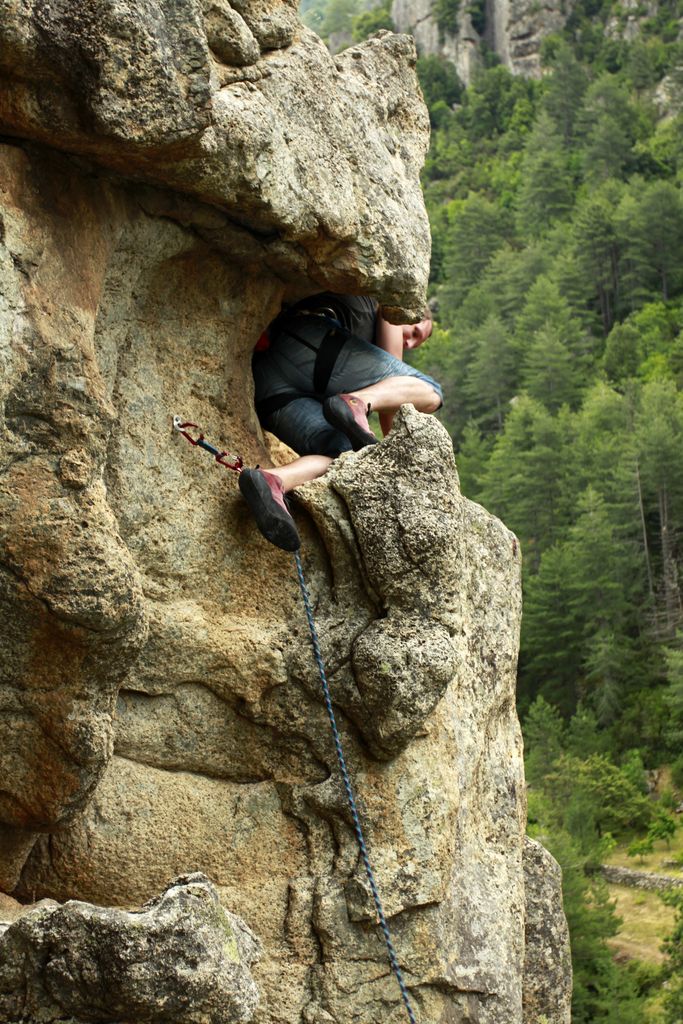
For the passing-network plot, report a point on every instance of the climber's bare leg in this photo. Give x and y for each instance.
(388, 395)
(303, 469)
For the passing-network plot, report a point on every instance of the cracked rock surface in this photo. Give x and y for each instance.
(548, 963)
(514, 30)
(180, 959)
(311, 162)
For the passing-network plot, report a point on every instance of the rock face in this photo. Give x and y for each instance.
(547, 957)
(515, 30)
(314, 160)
(181, 959)
(161, 710)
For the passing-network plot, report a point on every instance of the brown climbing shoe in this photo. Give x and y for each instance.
(350, 415)
(265, 496)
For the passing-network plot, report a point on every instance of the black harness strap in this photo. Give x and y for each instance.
(328, 353)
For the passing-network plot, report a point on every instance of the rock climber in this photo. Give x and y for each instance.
(319, 369)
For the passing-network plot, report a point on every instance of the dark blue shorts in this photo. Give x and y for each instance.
(287, 366)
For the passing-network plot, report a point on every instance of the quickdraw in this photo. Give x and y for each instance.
(236, 462)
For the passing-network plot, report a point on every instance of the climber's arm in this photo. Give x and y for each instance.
(388, 337)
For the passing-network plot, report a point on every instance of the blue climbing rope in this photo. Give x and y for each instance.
(393, 959)
(235, 463)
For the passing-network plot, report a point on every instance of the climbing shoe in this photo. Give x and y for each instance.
(350, 415)
(265, 496)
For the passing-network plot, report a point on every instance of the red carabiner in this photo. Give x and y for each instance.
(236, 462)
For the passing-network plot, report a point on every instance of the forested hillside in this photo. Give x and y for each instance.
(557, 220)
(557, 272)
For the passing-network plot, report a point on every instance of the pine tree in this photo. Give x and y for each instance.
(543, 739)
(565, 91)
(592, 920)
(545, 306)
(491, 377)
(583, 734)
(673, 947)
(595, 251)
(478, 228)
(548, 372)
(674, 691)
(552, 640)
(607, 129)
(503, 288)
(546, 190)
(526, 479)
(659, 438)
(651, 229)
(471, 458)
(623, 353)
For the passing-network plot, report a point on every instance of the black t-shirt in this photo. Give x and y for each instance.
(357, 313)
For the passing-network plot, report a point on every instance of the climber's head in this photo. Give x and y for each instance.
(415, 334)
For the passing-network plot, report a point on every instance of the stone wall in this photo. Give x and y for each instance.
(639, 879)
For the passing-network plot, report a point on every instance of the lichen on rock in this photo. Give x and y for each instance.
(547, 957)
(180, 959)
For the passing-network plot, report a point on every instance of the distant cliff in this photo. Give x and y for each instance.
(513, 29)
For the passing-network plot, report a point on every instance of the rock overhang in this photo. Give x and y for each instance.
(317, 158)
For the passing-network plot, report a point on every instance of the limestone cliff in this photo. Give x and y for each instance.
(461, 48)
(169, 171)
(512, 29)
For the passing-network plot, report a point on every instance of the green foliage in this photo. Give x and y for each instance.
(608, 127)
(335, 16)
(366, 23)
(445, 13)
(476, 230)
(471, 458)
(548, 372)
(546, 189)
(591, 920)
(601, 992)
(584, 737)
(673, 947)
(490, 102)
(677, 772)
(622, 355)
(490, 378)
(668, 799)
(556, 211)
(640, 848)
(663, 826)
(633, 768)
(565, 90)
(544, 732)
(674, 699)
(525, 477)
(440, 84)
(650, 225)
(616, 806)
